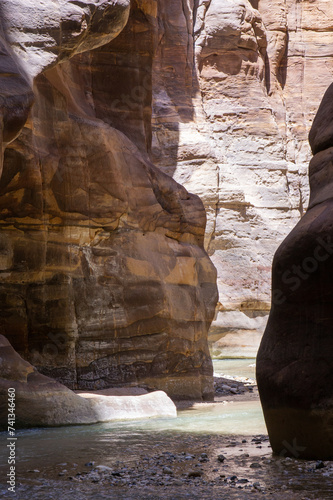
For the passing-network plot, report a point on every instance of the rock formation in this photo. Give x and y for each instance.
(232, 127)
(219, 95)
(294, 364)
(41, 401)
(104, 278)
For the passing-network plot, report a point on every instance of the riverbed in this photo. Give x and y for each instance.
(167, 458)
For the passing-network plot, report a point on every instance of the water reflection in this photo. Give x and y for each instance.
(55, 443)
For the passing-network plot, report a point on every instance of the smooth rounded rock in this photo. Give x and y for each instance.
(294, 362)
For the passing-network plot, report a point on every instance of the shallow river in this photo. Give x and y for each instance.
(49, 445)
(42, 454)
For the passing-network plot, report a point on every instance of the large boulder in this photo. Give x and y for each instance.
(295, 359)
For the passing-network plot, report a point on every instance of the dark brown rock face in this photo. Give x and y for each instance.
(38, 400)
(294, 364)
(104, 279)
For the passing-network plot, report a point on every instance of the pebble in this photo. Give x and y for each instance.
(226, 387)
(103, 468)
(255, 465)
(166, 470)
(195, 473)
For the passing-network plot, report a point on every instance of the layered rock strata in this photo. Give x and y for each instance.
(36, 400)
(104, 278)
(294, 364)
(232, 125)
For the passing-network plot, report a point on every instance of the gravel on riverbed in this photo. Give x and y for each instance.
(206, 467)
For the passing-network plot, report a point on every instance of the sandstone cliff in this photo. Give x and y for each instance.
(294, 363)
(230, 123)
(104, 279)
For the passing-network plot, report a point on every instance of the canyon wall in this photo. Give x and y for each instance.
(297, 346)
(260, 70)
(104, 277)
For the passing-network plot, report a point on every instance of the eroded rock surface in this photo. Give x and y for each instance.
(104, 278)
(294, 364)
(236, 132)
(41, 401)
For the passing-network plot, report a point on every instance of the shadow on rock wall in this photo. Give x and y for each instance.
(104, 278)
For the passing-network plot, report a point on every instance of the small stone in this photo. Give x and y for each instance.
(178, 482)
(103, 468)
(320, 464)
(167, 470)
(243, 481)
(255, 465)
(221, 458)
(89, 464)
(226, 387)
(195, 473)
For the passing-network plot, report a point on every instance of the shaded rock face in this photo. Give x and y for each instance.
(233, 128)
(39, 400)
(42, 401)
(104, 279)
(294, 364)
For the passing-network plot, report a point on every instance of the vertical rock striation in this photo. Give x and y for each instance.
(233, 127)
(294, 364)
(104, 278)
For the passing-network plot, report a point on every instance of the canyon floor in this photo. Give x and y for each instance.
(186, 466)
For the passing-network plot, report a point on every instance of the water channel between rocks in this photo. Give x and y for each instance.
(46, 458)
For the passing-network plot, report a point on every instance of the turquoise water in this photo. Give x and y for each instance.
(235, 367)
(44, 447)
